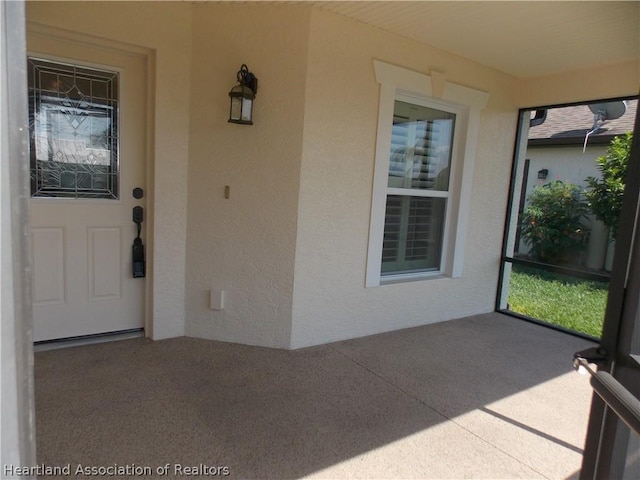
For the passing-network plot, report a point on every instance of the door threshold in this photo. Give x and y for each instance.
(87, 339)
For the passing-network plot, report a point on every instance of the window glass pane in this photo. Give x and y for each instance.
(420, 147)
(413, 234)
(73, 115)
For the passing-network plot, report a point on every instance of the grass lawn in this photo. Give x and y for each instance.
(558, 299)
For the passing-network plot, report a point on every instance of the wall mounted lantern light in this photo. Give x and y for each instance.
(242, 96)
(542, 174)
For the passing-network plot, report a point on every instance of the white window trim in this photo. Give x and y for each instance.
(467, 103)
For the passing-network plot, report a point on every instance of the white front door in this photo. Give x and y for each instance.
(87, 113)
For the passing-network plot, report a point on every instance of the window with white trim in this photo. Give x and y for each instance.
(422, 179)
(417, 188)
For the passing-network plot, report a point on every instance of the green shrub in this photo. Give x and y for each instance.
(552, 222)
(604, 195)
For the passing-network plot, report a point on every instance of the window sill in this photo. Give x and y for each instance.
(411, 277)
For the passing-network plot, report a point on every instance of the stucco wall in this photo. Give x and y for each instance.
(164, 29)
(17, 405)
(289, 246)
(330, 300)
(566, 163)
(245, 245)
(608, 81)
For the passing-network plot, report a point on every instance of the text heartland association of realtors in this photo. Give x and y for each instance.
(133, 470)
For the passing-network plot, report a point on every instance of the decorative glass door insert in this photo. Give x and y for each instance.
(73, 125)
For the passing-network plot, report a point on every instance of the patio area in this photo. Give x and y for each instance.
(487, 396)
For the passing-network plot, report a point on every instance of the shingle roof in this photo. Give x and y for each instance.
(570, 125)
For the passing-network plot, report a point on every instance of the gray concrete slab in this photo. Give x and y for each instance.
(482, 397)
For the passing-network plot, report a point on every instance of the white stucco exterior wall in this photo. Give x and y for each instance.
(289, 246)
(17, 404)
(245, 245)
(330, 299)
(608, 81)
(164, 29)
(566, 163)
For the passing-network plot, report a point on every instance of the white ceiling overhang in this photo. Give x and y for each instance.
(524, 39)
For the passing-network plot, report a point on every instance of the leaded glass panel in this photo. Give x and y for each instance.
(73, 126)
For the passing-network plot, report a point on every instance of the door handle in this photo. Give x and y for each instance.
(137, 250)
(138, 214)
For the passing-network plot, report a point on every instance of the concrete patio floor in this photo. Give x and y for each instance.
(487, 396)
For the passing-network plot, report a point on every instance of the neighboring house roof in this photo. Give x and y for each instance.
(570, 125)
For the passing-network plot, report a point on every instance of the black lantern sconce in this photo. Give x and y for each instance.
(242, 96)
(542, 174)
